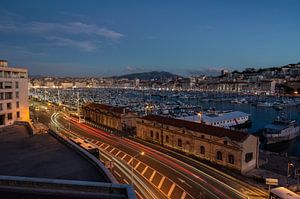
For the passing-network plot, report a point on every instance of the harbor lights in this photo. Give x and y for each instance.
(200, 116)
(141, 153)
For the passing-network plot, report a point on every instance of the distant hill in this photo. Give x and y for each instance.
(147, 76)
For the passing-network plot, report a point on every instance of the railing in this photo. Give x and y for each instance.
(66, 187)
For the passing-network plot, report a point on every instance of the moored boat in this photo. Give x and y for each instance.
(281, 130)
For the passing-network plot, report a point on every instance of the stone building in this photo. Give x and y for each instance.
(229, 148)
(115, 118)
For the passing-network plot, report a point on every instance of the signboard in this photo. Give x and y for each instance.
(297, 172)
(272, 181)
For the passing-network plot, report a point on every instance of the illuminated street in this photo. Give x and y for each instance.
(157, 174)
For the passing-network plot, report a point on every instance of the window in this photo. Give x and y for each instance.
(18, 114)
(8, 105)
(9, 116)
(167, 139)
(8, 95)
(225, 142)
(202, 150)
(248, 157)
(151, 134)
(231, 159)
(179, 143)
(17, 84)
(7, 85)
(1, 107)
(219, 155)
(2, 119)
(18, 104)
(157, 135)
(202, 136)
(17, 94)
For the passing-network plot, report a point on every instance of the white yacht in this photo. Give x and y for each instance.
(281, 130)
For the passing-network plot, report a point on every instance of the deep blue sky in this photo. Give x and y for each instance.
(69, 37)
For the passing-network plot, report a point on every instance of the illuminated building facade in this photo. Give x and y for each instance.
(14, 105)
(232, 149)
(115, 118)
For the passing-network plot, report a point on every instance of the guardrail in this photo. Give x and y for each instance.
(65, 187)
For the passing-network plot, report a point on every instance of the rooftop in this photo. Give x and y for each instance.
(217, 117)
(106, 107)
(42, 156)
(199, 127)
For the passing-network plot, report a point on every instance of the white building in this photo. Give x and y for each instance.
(14, 105)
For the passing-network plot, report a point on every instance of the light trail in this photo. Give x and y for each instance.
(122, 166)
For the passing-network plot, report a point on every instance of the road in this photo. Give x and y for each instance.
(166, 174)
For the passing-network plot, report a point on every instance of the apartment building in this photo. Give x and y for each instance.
(14, 105)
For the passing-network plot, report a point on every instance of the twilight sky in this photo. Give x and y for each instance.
(100, 38)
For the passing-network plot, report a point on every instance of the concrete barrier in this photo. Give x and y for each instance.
(92, 159)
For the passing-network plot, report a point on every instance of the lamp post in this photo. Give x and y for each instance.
(141, 153)
(290, 164)
(200, 116)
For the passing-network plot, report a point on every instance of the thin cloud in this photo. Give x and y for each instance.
(73, 28)
(86, 46)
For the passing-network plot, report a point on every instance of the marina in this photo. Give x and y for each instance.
(182, 104)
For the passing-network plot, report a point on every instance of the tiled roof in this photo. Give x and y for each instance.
(106, 107)
(203, 128)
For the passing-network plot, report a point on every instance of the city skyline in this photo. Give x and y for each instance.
(114, 38)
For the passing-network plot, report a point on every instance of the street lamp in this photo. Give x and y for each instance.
(290, 164)
(136, 155)
(200, 116)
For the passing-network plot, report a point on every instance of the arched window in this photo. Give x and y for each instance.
(219, 155)
(179, 143)
(157, 135)
(231, 159)
(202, 150)
(151, 134)
(167, 139)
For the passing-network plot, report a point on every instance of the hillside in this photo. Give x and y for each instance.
(147, 76)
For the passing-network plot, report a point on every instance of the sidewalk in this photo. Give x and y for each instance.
(274, 165)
